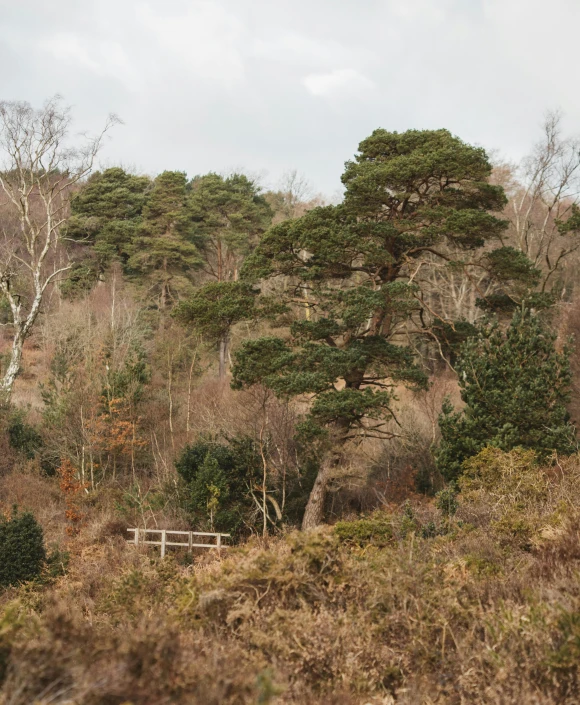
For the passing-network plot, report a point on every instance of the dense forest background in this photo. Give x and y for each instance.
(129, 300)
(207, 352)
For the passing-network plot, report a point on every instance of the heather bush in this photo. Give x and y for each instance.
(387, 608)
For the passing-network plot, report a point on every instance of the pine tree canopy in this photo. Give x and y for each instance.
(214, 308)
(107, 212)
(352, 270)
(229, 215)
(515, 385)
(164, 249)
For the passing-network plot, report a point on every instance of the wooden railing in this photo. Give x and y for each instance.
(140, 537)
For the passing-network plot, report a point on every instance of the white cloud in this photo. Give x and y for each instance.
(300, 49)
(205, 38)
(340, 82)
(103, 58)
(420, 9)
(203, 84)
(68, 47)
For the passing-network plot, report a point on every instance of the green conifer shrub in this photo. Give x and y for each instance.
(219, 478)
(515, 385)
(23, 437)
(22, 552)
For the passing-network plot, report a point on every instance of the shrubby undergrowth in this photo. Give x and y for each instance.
(418, 604)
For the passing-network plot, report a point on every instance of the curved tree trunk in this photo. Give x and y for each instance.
(314, 512)
(22, 329)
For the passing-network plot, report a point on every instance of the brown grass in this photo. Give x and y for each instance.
(403, 606)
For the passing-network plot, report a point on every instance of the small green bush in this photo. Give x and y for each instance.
(515, 384)
(219, 478)
(376, 530)
(24, 438)
(22, 552)
(447, 503)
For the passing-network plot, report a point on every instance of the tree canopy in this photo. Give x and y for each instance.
(164, 248)
(229, 215)
(354, 270)
(106, 213)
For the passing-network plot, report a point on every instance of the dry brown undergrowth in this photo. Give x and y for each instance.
(399, 607)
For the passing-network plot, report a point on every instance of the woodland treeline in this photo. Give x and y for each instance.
(240, 358)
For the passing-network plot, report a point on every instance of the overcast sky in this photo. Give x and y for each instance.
(273, 85)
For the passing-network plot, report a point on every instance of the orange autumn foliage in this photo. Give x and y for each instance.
(71, 487)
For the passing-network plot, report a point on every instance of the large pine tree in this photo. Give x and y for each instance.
(164, 250)
(229, 215)
(411, 199)
(515, 385)
(106, 215)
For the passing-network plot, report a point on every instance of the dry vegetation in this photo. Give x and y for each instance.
(406, 605)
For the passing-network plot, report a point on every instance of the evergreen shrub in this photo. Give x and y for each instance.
(22, 552)
(515, 385)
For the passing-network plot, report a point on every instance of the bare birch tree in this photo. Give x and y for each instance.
(38, 172)
(542, 191)
(542, 196)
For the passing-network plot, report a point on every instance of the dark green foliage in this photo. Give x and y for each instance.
(515, 385)
(307, 364)
(509, 264)
(502, 303)
(23, 437)
(452, 335)
(229, 215)
(164, 250)
(22, 553)
(215, 307)
(106, 214)
(224, 486)
(571, 226)
(220, 478)
(109, 196)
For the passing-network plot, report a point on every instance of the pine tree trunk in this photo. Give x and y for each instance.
(314, 512)
(224, 342)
